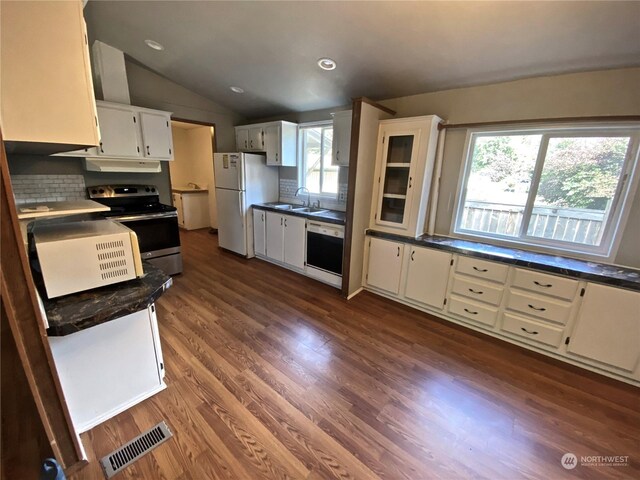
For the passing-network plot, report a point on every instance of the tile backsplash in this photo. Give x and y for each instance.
(48, 188)
(289, 186)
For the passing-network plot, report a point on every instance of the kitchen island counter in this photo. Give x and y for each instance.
(79, 311)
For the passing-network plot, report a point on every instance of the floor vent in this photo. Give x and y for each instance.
(136, 448)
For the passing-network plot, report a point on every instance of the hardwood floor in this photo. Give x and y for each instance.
(273, 375)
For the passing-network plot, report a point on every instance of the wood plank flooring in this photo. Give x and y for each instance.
(272, 375)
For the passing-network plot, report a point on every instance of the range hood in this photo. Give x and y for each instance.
(122, 166)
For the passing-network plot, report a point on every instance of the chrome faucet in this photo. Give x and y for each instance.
(308, 204)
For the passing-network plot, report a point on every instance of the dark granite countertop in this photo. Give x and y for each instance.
(78, 311)
(330, 216)
(582, 269)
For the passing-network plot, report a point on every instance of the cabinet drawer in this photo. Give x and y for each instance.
(544, 283)
(473, 311)
(539, 306)
(482, 269)
(532, 330)
(476, 290)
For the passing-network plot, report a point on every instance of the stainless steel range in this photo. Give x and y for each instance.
(139, 208)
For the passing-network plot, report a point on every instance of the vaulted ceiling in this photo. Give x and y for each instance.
(382, 49)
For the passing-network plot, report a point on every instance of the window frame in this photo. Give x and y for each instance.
(302, 165)
(621, 201)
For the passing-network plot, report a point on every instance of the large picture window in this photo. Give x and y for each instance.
(316, 150)
(558, 189)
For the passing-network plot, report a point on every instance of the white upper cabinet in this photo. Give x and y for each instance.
(256, 138)
(341, 138)
(427, 276)
(130, 133)
(156, 134)
(119, 132)
(385, 265)
(242, 139)
(47, 102)
(279, 140)
(404, 169)
(607, 329)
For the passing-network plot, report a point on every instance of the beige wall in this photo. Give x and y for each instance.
(608, 92)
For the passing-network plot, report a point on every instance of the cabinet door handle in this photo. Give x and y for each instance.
(148, 152)
(245, 144)
(276, 158)
(412, 254)
(251, 143)
(398, 252)
(477, 292)
(410, 179)
(469, 311)
(285, 222)
(101, 149)
(281, 220)
(480, 269)
(263, 217)
(544, 285)
(541, 309)
(530, 332)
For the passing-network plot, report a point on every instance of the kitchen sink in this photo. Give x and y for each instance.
(283, 206)
(309, 210)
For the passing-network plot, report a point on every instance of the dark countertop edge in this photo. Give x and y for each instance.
(536, 264)
(320, 218)
(111, 314)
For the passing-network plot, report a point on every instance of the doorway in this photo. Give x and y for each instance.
(191, 173)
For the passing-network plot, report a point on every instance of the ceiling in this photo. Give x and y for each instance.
(383, 49)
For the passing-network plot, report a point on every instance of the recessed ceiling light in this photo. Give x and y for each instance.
(236, 90)
(327, 63)
(153, 44)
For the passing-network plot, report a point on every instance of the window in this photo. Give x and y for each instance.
(558, 189)
(316, 150)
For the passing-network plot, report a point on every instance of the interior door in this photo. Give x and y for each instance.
(118, 135)
(156, 133)
(231, 220)
(275, 236)
(294, 241)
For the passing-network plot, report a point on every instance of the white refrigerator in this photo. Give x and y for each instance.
(242, 179)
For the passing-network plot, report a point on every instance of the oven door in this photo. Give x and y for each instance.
(158, 233)
(324, 252)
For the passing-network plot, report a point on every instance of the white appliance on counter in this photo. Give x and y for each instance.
(242, 179)
(78, 256)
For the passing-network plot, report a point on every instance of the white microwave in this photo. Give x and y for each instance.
(78, 256)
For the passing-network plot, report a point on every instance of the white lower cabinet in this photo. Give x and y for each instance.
(108, 368)
(427, 276)
(259, 232)
(275, 236)
(294, 241)
(594, 326)
(607, 329)
(532, 330)
(385, 264)
(473, 311)
(285, 238)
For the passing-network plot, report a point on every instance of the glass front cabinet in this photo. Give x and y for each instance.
(404, 170)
